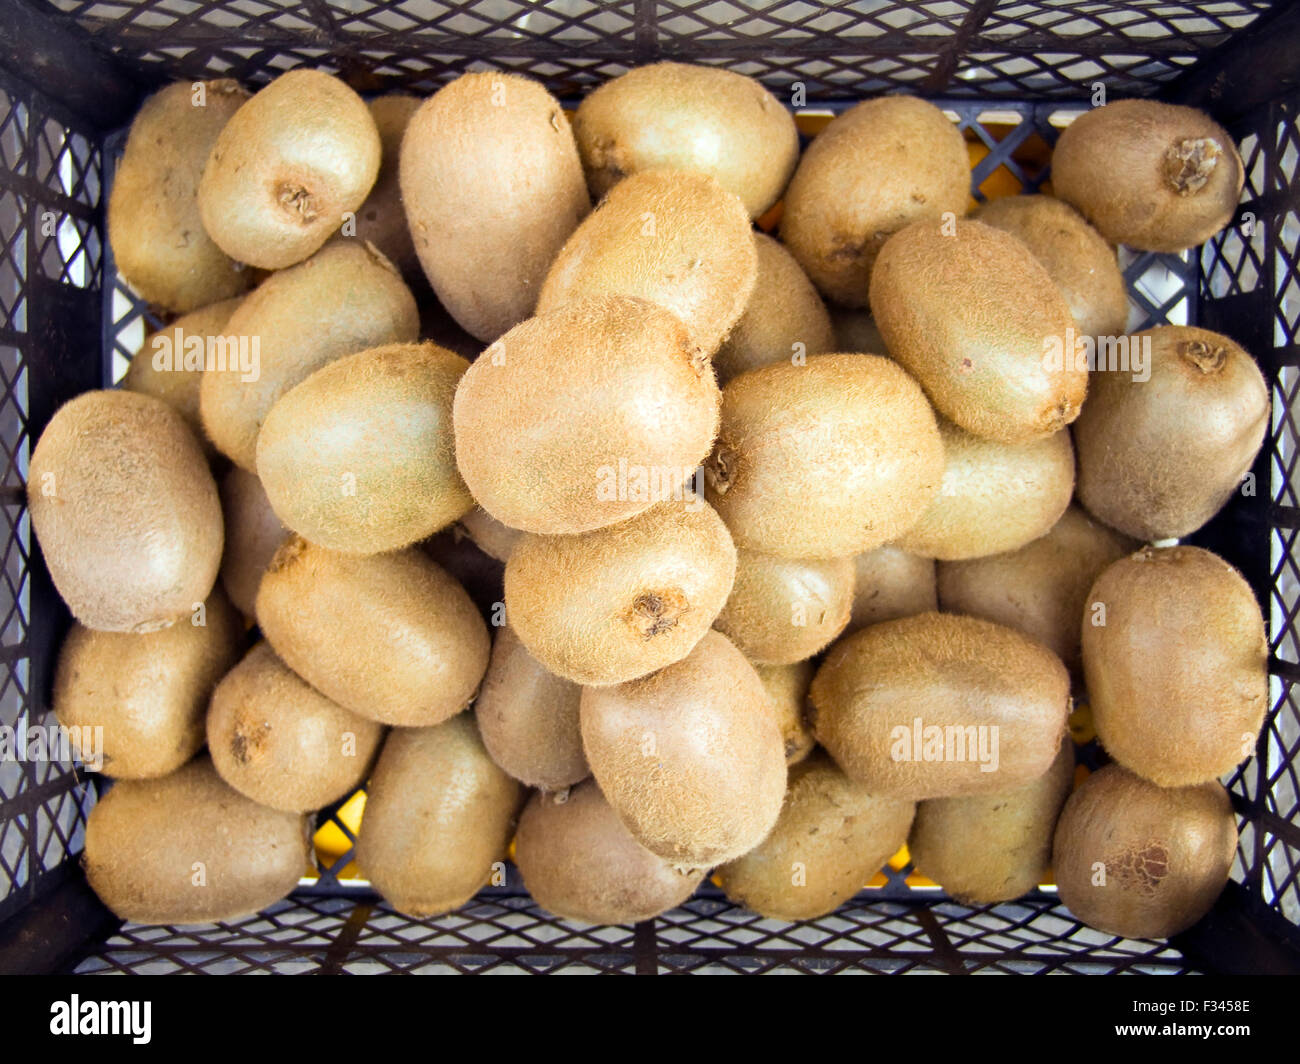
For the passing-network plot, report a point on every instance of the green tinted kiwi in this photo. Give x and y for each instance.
(891, 583)
(253, 534)
(855, 330)
(787, 688)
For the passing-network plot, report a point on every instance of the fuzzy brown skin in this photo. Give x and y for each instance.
(1178, 672)
(282, 743)
(1040, 589)
(787, 689)
(1159, 458)
(1166, 853)
(482, 576)
(547, 417)
(690, 758)
(995, 496)
(580, 863)
(381, 220)
(608, 606)
(990, 848)
(874, 169)
(833, 834)
(679, 240)
(125, 511)
(855, 330)
(1084, 267)
(287, 167)
(360, 457)
(890, 583)
(344, 299)
(392, 637)
(1151, 175)
(490, 536)
(698, 119)
(439, 815)
(946, 670)
(148, 692)
(783, 610)
(785, 316)
(253, 535)
(528, 718)
(493, 187)
(145, 838)
(159, 244)
(970, 315)
(824, 460)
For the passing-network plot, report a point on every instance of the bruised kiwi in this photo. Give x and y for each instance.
(253, 535)
(995, 497)
(360, 456)
(493, 187)
(832, 836)
(287, 167)
(890, 583)
(677, 239)
(690, 758)
(1161, 450)
(1142, 861)
(1176, 657)
(147, 691)
(439, 817)
(391, 637)
(125, 511)
(824, 459)
(283, 743)
(145, 839)
(938, 705)
(528, 718)
(617, 603)
(160, 247)
(787, 689)
(579, 862)
(969, 311)
(873, 170)
(645, 416)
(1155, 176)
(381, 220)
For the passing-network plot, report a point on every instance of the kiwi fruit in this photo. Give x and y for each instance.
(147, 691)
(697, 119)
(890, 583)
(832, 836)
(677, 239)
(282, 743)
(939, 705)
(878, 167)
(608, 606)
(528, 718)
(784, 320)
(969, 311)
(579, 862)
(1176, 659)
(1162, 450)
(253, 535)
(783, 610)
(787, 689)
(287, 168)
(585, 416)
(490, 536)
(160, 248)
(493, 187)
(481, 575)
(439, 817)
(392, 637)
(359, 457)
(1142, 861)
(690, 758)
(1077, 257)
(186, 848)
(381, 220)
(125, 511)
(823, 460)
(1040, 589)
(989, 848)
(1155, 176)
(344, 299)
(855, 330)
(995, 496)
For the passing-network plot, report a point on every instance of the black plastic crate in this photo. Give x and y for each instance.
(72, 74)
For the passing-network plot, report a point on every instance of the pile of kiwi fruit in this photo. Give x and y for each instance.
(669, 546)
